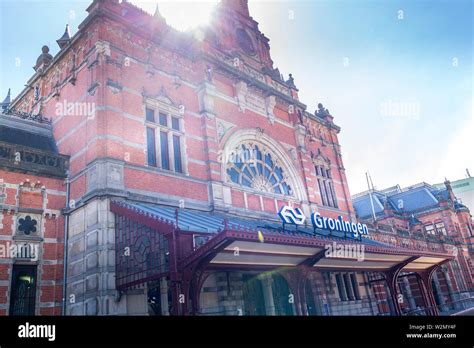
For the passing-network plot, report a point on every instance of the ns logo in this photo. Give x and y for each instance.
(291, 215)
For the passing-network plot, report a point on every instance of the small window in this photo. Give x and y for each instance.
(440, 228)
(175, 123)
(150, 115)
(163, 119)
(429, 229)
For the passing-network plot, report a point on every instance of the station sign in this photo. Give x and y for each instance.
(295, 216)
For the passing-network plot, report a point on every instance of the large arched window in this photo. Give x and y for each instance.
(252, 166)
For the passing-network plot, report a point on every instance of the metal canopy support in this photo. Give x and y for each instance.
(188, 272)
(426, 278)
(391, 278)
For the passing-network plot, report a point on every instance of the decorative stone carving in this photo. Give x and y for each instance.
(223, 127)
(105, 175)
(293, 154)
(241, 91)
(270, 103)
(221, 195)
(102, 47)
(322, 112)
(319, 159)
(259, 133)
(300, 137)
(114, 86)
(206, 97)
(93, 88)
(44, 60)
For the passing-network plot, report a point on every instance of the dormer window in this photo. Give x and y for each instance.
(430, 230)
(440, 228)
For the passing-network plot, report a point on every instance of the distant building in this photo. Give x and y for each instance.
(424, 217)
(463, 190)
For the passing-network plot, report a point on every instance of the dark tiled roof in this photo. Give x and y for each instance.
(411, 200)
(363, 206)
(28, 139)
(27, 145)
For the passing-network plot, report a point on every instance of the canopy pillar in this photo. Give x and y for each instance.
(426, 278)
(391, 277)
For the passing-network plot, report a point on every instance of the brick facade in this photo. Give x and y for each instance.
(223, 92)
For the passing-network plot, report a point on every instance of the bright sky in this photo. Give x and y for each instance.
(397, 75)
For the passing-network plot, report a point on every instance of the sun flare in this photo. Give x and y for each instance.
(180, 14)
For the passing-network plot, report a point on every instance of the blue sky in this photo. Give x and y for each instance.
(396, 75)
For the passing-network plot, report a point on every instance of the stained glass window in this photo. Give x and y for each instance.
(251, 167)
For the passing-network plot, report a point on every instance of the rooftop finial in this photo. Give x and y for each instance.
(157, 11)
(65, 39)
(6, 102)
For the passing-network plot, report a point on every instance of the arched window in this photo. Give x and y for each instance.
(254, 167)
(322, 167)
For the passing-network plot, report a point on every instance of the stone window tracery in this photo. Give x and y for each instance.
(256, 167)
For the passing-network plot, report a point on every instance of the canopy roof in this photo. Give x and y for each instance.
(236, 242)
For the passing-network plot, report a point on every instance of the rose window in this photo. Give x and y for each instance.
(27, 225)
(251, 167)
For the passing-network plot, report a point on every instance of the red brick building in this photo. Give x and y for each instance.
(424, 217)
(183, 148)
(32, 195)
